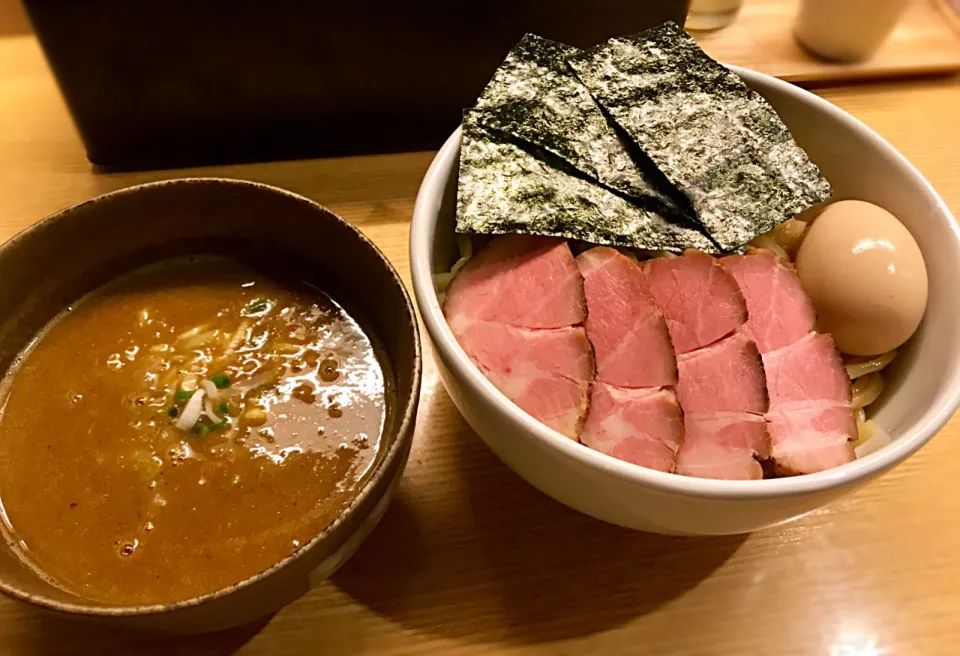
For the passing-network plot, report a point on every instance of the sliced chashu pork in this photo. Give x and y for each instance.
(521, 280)
(641, 426)
(811, 424)
(810, 369)
(628, 333)
(546, 372)
(723, 395)
(720, 374)
(723, 377)
(699, 300)
(516, 310)
(779, 312)
(811, 436)
(631, 416)
(724, 445)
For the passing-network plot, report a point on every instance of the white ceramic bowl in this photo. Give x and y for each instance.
(923, 388)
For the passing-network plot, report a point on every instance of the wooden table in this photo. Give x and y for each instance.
(469, 558)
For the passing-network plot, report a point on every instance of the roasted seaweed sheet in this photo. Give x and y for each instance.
(535, 96)
(506, 186)
(719, 142)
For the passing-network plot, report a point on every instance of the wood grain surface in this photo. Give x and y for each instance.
(471, 560)
(926, 41)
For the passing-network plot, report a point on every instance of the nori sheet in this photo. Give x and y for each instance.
(535, 96)
(507, 186)
(719, 142)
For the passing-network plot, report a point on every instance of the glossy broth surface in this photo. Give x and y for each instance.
(106, 492)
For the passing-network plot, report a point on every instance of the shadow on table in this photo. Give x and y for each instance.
(44, 634)
(500, 561)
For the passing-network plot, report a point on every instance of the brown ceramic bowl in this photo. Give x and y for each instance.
(70, 253)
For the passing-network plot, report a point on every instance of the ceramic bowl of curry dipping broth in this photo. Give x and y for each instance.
(60, 259)
(923, 386)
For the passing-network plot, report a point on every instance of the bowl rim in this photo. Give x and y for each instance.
(422, 235)
(396, 451)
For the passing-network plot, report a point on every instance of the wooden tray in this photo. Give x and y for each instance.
(926, 41)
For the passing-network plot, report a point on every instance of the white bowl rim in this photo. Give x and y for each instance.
(423, 230)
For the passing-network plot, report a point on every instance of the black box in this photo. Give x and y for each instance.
(186, 82)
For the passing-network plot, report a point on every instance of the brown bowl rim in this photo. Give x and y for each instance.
(396, 450)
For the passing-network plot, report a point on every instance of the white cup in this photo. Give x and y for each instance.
(711, 14)
(846, 30)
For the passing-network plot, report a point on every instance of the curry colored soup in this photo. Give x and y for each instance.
(184, 428)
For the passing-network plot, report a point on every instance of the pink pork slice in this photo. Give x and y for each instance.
(810, 421)
(811, 437)
(698, 298)
(521, 280)
(723, 445)
(724, 377)
(628, 333)
(779, 312)
(547, 373)
(640, 426)
(810, 369)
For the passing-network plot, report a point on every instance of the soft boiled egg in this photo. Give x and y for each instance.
(865, 275)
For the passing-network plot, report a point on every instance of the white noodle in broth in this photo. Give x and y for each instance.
(866, 390)
(765, 242)
(865, 430)
(784, 240)
(860, 366)
(442, 280)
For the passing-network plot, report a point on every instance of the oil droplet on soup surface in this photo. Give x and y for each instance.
(195, 406)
